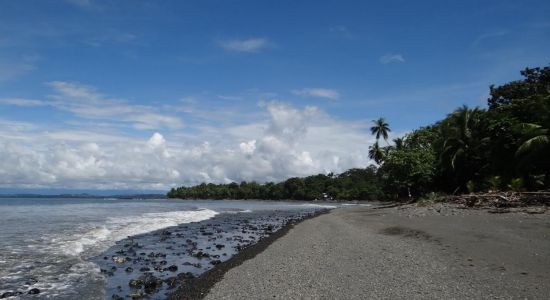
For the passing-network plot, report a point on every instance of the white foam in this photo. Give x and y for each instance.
(101, 237)
(317, 205)
(238, 211)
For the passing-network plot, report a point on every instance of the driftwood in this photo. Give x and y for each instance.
(502, 199)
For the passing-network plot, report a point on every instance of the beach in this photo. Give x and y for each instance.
(408, 252)
(95, 248)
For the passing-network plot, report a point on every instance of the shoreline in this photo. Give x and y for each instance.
(198, 288)
(405, 252)
(157, 263)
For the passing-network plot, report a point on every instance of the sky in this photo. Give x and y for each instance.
(149, 95)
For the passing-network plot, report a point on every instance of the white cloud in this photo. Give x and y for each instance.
(250, 45)
(85, 102)
(489, 36)
(290, 142)
(22, 102)
(392, 58)
(317, 93)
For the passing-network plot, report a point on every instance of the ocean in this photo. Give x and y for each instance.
(48, 243)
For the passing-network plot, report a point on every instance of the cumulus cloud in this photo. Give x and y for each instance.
(290, 142)
(317, 93)
(250, 45)
(392, 58)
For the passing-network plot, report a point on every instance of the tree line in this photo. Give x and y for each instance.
(503, 146)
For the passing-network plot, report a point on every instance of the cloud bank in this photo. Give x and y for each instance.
(291, 141)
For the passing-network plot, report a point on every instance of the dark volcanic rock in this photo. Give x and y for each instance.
(193, 249)
(135, 283)
(151, 283)
(9, 294)
(34, 291)
(172, 268)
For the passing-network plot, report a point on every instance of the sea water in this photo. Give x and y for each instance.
(45, 243)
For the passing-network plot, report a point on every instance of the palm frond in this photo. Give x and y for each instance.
(533, 144)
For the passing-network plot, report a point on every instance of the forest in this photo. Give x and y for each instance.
(505, 146)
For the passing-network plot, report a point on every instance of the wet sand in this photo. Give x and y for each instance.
(400, 253)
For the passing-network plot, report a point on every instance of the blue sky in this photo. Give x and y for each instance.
(190, 91)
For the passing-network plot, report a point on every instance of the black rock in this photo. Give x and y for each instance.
(216, 262)
(31, 281)
(9, 294)
(151, 283)
(135, 283)
(34, 291)
(172, 282)
(117, 297)
(220, 246)
(129, 269)
(201, 254)
(144, 269)
(172, 268)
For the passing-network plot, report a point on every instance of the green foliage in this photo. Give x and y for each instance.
(516, 184)
(354, 184)
(470, 149)
(470, 186)
(409, 170)
(380, 128)
(376, 153)
(493, 183)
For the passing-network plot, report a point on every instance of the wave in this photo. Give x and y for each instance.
(318, 205)
(117, 228)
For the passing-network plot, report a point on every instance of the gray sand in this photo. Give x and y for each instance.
(396, 253)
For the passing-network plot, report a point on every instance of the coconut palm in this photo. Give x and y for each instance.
(462, 150)
(376, 153)
(380, 129)
(462, 139)
(539, 139)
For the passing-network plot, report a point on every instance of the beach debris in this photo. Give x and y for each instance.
(501, 199)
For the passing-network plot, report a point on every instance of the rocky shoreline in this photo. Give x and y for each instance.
(183, 262)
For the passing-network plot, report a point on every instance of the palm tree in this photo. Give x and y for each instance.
(376, 153)
(538, 141)
(532, 154)
(461, 149)
(380, 128)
